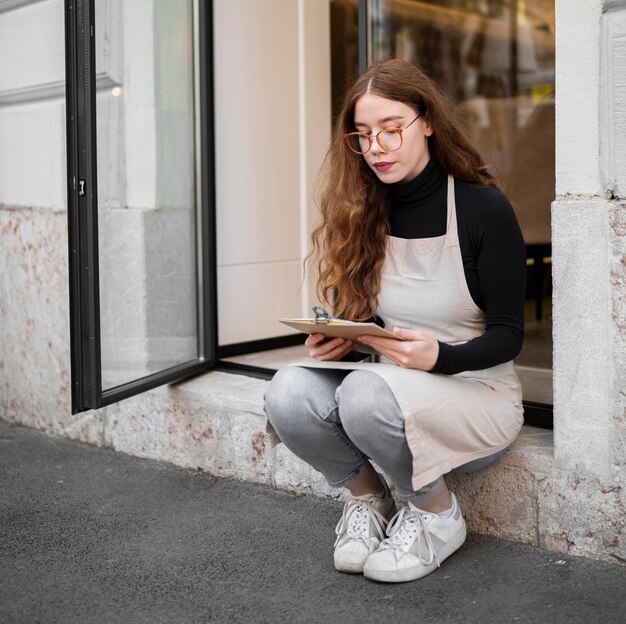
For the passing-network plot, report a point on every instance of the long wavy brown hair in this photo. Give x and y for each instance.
(349, 244)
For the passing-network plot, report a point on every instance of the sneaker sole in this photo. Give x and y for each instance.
(353, 568)
(357, 568)
(419, 571)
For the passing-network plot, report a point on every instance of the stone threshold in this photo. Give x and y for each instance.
(215, 423)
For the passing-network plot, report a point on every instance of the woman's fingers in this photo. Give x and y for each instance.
(322, 349)
(314, 339)
(383, 345)
(418, 349)
(409, 334)
(338, 352)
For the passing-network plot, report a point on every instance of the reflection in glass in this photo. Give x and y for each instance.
(146, 186)
(344, 48)
(495, 60)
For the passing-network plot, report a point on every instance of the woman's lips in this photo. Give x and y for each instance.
(383, 166)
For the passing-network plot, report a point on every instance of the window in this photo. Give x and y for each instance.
(139, 195)
(495, 60)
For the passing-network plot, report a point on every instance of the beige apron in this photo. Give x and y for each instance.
(449, 419)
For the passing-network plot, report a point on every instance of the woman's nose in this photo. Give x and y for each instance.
(375, 148)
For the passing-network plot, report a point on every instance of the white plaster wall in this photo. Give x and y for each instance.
(591, 98)
(32, 155)
(32, 135)
(272, 107)
(36, 59)
(578, 102)
(613, 98)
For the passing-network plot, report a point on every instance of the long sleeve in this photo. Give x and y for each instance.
(496, 268)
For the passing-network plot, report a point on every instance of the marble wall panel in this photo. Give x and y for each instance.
(145, 425)
(498, 500)
(291, 473)
(235, 404)
(618, 315)
(34, 326)
(583, 515)
(205, 431)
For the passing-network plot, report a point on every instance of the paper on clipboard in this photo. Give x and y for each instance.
(338, 328)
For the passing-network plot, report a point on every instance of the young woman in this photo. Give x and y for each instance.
(415, 233)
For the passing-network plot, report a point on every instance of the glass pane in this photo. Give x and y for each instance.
(344, 49)
(147, 205)
(495, 59)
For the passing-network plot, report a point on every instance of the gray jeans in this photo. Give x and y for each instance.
(335, 420)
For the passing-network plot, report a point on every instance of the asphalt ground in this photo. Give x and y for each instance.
(91, 535)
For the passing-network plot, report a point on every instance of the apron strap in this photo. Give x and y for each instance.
(451, 231)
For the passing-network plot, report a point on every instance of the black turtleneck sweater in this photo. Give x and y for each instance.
(493, 253)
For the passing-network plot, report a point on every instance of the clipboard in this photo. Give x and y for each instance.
(338, 328)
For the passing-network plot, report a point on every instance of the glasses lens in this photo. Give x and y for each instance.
(358, 143)
(390, 140)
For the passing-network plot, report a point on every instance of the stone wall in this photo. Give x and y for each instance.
(587, 505)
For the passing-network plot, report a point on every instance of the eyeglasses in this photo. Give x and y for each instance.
(389, 139)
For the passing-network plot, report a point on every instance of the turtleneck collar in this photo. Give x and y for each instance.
(419, 189)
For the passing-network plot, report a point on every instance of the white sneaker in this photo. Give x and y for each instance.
(417, 544)
(361, 529)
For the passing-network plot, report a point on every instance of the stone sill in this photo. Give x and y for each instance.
(215, 422)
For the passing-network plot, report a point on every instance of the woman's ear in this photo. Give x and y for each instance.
(428, 131)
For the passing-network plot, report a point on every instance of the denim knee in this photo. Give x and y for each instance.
(296, 393)
(365, 404)
(279, 396)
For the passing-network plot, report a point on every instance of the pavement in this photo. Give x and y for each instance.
(91, 535)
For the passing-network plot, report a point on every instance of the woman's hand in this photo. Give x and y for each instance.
(328, 350)
(418, 350)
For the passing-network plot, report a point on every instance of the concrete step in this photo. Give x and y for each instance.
(216, 423)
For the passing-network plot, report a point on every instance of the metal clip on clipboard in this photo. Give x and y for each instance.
(321, 316)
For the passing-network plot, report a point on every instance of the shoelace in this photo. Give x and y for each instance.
(403, 529)
(355, 523)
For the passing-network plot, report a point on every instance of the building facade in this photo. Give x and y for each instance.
(279, 67)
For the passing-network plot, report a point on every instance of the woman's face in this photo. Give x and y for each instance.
(372, 113)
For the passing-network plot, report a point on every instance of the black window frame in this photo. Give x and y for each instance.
(86, 369)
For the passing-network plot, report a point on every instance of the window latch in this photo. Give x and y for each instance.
(81, 188)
